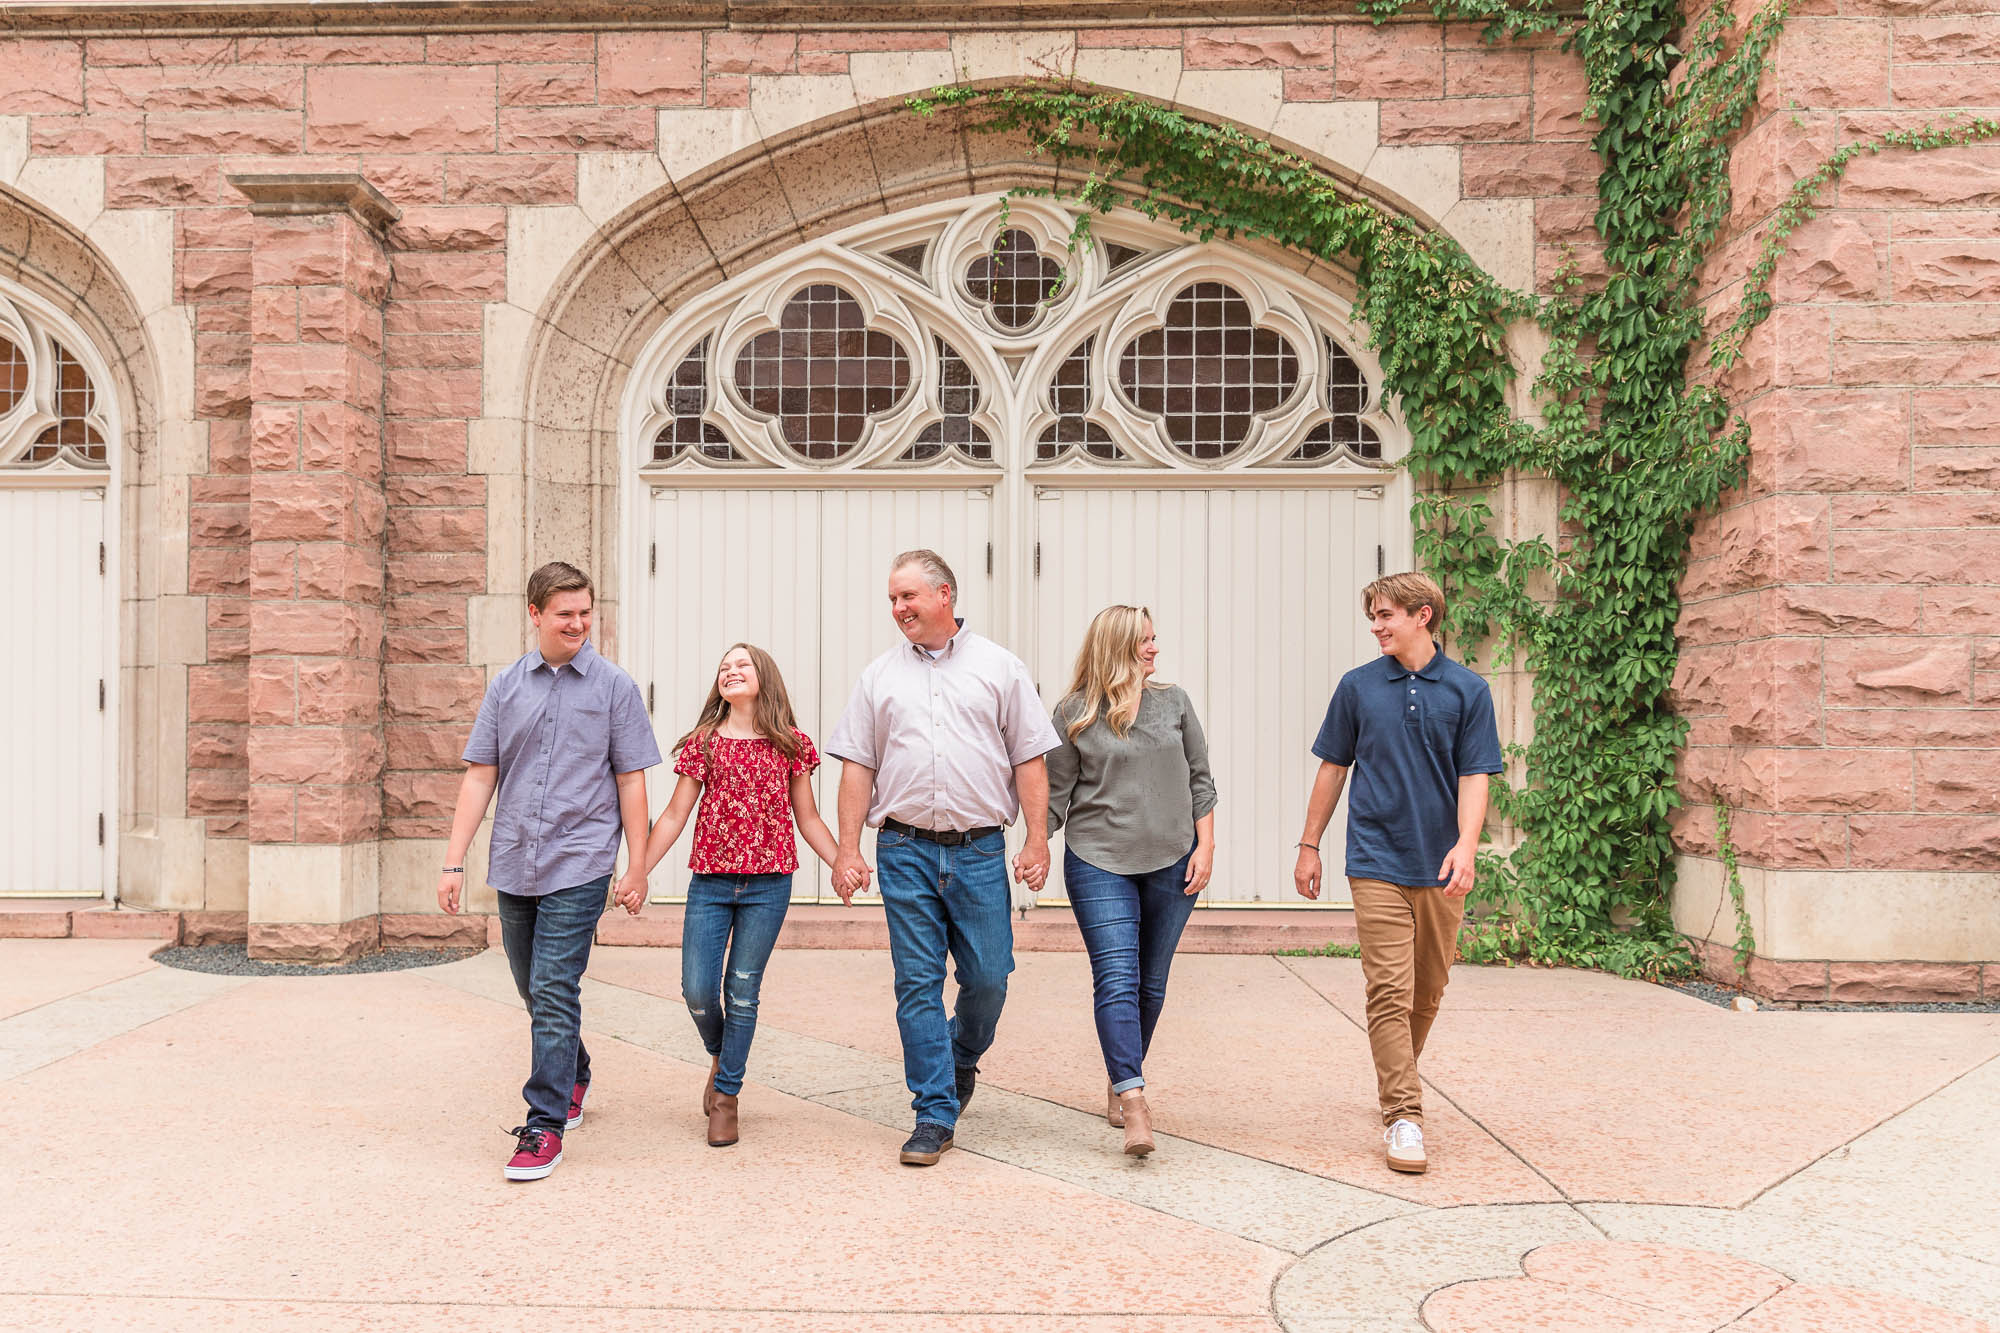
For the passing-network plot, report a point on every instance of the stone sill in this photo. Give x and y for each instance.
(293, 17)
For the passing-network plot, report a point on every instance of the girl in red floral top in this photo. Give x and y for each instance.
(751, 768)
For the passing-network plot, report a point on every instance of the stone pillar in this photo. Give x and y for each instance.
(320, 277)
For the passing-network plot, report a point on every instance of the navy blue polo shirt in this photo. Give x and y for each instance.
(1408, 737)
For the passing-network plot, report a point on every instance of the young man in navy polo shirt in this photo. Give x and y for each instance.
(562, 736)
(1417, 730)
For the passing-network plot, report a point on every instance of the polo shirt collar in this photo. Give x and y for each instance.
(579, 664)
(1433, 669)
(950, 644)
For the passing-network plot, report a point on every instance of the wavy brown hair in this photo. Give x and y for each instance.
(771, 713)
(1108, 677)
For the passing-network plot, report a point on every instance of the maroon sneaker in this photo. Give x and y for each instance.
(576, 1096)
(536, 1155)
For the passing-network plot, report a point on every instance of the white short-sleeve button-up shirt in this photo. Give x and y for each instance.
(943, 733)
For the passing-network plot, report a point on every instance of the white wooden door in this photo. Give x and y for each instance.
(55, 812)
(804, 575)
(1255, 596)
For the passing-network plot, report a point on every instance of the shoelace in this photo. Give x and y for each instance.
(530, 1140)
(1403, 1134)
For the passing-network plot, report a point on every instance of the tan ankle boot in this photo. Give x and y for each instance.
(1138, 1123)
(722, 1127)
(708, 1090)
(1113, 1112)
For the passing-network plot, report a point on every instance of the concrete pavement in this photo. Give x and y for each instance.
(321, 1152)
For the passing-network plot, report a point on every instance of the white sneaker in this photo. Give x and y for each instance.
(1405, 1140)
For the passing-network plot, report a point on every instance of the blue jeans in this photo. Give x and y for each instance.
(1130, 925)
(940, 899)
(548, 945)
(740, 914)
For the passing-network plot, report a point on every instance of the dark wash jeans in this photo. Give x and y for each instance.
(739, 915)
(941, 900)
(1130, 924)
(548, 945)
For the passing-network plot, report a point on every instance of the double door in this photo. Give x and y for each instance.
(1254, 593)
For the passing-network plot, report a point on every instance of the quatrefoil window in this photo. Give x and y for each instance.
(822, 372)
(1209, 371)
(1014, 279)
(49, 409)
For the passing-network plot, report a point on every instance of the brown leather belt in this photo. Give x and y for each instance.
(942, 837)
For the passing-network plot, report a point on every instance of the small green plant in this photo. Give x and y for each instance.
(1331, 949)
(1746, 938)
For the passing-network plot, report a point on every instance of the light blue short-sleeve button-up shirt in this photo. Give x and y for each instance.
(559, 735)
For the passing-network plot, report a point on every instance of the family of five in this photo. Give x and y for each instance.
(944, 743)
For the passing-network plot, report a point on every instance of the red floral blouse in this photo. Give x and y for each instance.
(744, 824)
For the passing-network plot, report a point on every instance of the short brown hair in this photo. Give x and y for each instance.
(936, 572)
(555, 577)
(1408, 591)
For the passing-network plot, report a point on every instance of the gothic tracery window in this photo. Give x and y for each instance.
(51, 413)
(968, 336)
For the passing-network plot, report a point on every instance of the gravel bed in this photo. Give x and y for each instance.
(1723, 997)
(234, 960)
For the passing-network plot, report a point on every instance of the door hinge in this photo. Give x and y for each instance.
(100, 829)
(100, 694)
(100, 559)
(649, 696)
(989, 559)
(1038, 559)
(1380, 568)
(653, 558)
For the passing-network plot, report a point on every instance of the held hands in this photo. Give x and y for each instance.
(1031, 866)
(1307, 873)
(451, 886)
(1460, 865)
(631, 892)
(1201, 863)
(850, 875)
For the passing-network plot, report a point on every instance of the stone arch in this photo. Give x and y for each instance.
(57, 265)
(744, 208)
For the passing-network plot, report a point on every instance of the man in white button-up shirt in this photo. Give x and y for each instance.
(941, 747)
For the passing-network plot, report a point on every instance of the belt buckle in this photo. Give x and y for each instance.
(951, 838)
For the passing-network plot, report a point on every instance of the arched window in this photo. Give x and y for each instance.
(52, 416)
(977, 335)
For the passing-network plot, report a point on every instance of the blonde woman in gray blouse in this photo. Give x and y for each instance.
(1131, 784)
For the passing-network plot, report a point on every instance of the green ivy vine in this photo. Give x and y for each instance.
(1639, 447)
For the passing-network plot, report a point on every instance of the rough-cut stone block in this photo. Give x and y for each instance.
(415, 644)
(440, 491)
(511, 179)
(1836, 257)
(339, 814)
(1395, 60)
(314, 942)
(1940, 178)
(218, 573)
(913, 40)
(217, 745)
(1904, 983)
(1958, 781)
(450, 229)
(219, 525)
(1926, 842)
(224, 132)
(358, 49)
(34, 925)
(1834, 440)
(419, 800)
(1922, 728)
(1833, 608)
(433, 693)
(214, 275)
(314, 507)
(822, 62)
(1866, 555)
(85, 136)
(314, 372)
(1528, 169)
(1825, 781)
(1943, 468)
(1966, 270)
(208, 51)
(595, 129)
(1876, 673)
(319, 629)
(274, 813)
(437, 529)
(304, 252)
(420, 391)
(547, 85)
(217, 791)
(415, 445)
(459, 572)
(320, 756)
(443, 351)
(428, 745)
(1456, 120)
(217, 693)
(654, 68)
(751, 52)
(1561, 88)
(335, 571)
(400, 108)
(408, 608)
(40, 76)
(224, 86)
(406, 179)
(433, 930)
(199, 928)
(450, 277)
(511, 48)
(339, 692)
(273, 692)
(124, 923)
(1257, 48)
(337, 315)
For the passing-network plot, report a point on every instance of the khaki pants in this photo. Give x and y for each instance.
(1408, 939)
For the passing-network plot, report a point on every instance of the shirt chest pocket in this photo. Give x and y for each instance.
(1438, 719)
(586, 729)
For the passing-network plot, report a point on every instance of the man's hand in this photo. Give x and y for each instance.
(632, 892)
(850, 875)
(1461, 863)
(1031, 866)
(1306, 874)
(451, 885)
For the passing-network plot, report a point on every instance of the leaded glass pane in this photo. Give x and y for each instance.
(822, 372)
(1014, 279)
(1209, 371)
(687, 399)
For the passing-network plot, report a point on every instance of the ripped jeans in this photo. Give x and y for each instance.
(737, 915)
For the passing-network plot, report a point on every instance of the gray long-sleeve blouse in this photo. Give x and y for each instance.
(1130, 802)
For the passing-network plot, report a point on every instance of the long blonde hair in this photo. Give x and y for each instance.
(771, 714)
(1108, 677)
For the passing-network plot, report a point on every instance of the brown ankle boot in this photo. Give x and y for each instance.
(1138, 1123)
(1113, 1112)
(708, 1090)
(722, 1129)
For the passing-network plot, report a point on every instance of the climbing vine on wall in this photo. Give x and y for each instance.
(1639, 447)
